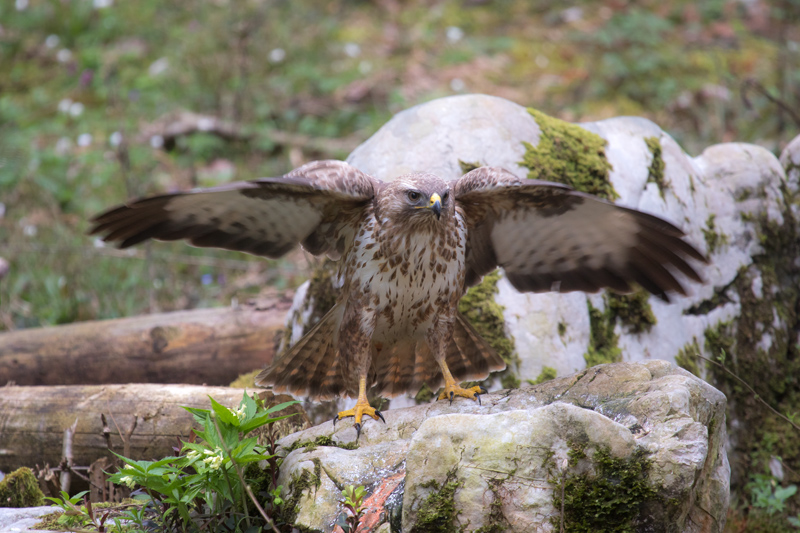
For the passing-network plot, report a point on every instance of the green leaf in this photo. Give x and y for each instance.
(223, 413)
(280, 406)
(261, 420)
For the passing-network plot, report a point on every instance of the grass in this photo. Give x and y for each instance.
(303, 81)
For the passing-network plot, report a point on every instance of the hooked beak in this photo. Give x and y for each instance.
(436, 205)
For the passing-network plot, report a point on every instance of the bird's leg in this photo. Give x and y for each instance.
(361, 408)
(453, 389)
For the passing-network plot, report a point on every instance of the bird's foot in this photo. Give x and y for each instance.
(358, 412)
(451, 390)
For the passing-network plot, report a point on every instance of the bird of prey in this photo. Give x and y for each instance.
(409, 250)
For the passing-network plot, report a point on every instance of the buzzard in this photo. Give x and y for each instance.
(409, 249)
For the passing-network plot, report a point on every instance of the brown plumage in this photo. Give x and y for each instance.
(410, 248)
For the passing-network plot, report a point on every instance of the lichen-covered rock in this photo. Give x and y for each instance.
(617, 447)
(737, 203)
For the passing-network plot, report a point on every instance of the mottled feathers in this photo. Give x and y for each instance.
(545, 236)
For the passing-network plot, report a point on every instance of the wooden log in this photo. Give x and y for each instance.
(203, 346)
(148, 416)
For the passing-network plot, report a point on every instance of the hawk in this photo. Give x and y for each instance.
(409, 249)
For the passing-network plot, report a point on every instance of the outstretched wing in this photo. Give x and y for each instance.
(549, 237)
(314, 205)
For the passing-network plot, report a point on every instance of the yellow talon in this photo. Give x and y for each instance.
(361, 408)
(451, 390)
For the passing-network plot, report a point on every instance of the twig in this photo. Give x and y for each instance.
(755, 394)
(750, 82)
(66, 458)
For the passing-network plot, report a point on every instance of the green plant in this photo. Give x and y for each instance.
(82, 516)
(205, 486)
(354, 508)
(766, 494)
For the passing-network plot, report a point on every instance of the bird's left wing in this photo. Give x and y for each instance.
(549, 237)
(314, 205)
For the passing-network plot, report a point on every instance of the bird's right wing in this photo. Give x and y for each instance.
(317, 205)
(549, 237)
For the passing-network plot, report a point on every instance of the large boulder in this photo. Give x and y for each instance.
(736, 203)
(626, 446)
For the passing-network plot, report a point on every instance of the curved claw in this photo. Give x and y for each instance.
(483, 391)
(335, 419)
(451, 397)
(478, 397)
(380, 415)
(358, 430)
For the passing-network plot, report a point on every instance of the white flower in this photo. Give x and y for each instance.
(52, 41)
(115, 139)
(457, 84)
(277, 55)
(352, 49)
(454, 34)
(156, 141)
(100, 4)
(21, 5)
(127, 480)
(159, 66)
(63, 146)
(63, 55)
(64, 105)
(192, 455)
(76, 109)
(214, 459)
(239, 413)
(84, 139)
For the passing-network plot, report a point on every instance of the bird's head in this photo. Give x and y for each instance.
(418, 199)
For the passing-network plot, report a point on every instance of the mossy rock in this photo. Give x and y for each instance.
(571, 155)
(20, 489)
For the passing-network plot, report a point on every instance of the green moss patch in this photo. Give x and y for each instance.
(569, 154)
(20, 489)
(602, 339)
(686, 358)
(496, 521)
(486, 316)
(655, 172)
(467, 166)
(322, 440)
(633, 310)
(714, 239)
(438, 512)
(609, 499)
(770, 368)
(300, 483)
(546, 374)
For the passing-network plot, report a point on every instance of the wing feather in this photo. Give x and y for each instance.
(549, 237)
(316, 205)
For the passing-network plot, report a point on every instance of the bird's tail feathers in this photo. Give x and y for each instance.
(311, 367)
(406, 366)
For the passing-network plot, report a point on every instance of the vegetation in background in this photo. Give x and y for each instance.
(84, 81)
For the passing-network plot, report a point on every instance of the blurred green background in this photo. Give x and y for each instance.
(87, 85)
(83, 81)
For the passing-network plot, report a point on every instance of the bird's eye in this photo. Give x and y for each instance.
(413, 196)
(445, 195)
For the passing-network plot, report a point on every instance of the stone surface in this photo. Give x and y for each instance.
(736, 202)
(517, 449)
(23, 519)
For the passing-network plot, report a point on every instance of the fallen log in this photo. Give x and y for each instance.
(203, 346)
(141, 421)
